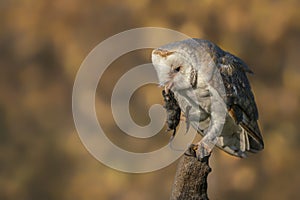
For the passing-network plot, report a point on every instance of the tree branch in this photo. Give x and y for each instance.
(191, 179)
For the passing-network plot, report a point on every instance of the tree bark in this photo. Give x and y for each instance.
(191, 179)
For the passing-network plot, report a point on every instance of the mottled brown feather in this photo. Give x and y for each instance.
(239, 98)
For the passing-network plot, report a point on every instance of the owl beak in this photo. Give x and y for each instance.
(168, 86)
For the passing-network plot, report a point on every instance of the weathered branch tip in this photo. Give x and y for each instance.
(191, 178)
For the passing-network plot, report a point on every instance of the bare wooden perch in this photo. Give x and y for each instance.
(191, 178)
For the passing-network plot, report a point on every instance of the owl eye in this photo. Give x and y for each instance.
(177, 69)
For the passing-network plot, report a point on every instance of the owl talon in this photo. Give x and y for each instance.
(191, 151)
(203, 151)
(199, 152)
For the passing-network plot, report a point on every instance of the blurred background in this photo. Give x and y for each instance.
(42, 44)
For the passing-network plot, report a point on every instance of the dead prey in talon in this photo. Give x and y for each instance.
(212, 89)
(173, 111)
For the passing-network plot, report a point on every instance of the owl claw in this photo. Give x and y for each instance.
(203, 151)
(198, 151)
(191, 151)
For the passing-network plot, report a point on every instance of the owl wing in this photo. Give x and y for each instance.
(240, 99)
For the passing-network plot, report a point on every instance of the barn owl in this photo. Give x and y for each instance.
(213, 92)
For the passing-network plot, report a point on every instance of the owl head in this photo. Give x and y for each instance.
(174, 64)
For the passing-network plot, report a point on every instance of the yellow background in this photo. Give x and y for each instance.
(42, 44)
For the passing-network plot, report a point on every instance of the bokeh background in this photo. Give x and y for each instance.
(42, 44)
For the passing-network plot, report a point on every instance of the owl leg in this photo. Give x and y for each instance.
(203, 149)
(207, 143)
(217, 120)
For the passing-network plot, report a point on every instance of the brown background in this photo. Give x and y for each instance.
(42, 44)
